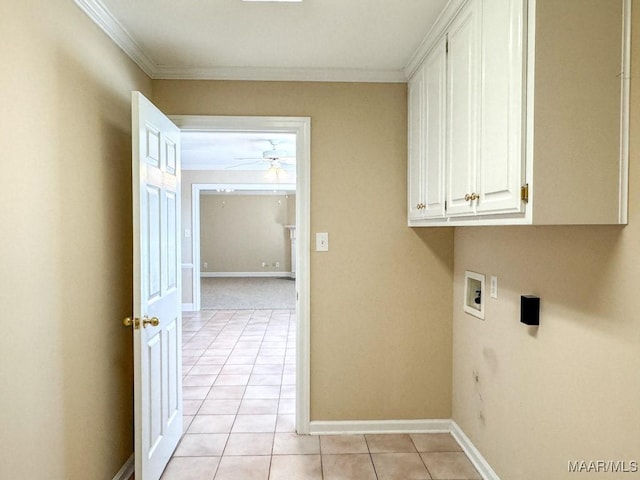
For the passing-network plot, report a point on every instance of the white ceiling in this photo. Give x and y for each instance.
(348, 40)
(235, 151)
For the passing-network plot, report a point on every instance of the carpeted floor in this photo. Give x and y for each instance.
(248, 293)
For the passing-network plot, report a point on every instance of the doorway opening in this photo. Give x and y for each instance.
(244, 241)
(296, 266)
(247, 248)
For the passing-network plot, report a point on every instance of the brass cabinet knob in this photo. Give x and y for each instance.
(471, 197)
(153, 321)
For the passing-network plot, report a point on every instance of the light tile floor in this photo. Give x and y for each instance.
(239, 405)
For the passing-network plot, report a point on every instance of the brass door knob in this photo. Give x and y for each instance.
(153, 321)
(135, 322)
(467, 197)
(131, 322)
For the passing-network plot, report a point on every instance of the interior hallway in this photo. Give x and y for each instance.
(239, 406)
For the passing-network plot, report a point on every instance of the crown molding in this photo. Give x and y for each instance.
(281, 74)
(102, 17)
(439, 27)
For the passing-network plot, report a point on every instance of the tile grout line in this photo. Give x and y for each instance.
(420, 456)
(244, 391)
(236, 415)
(375, 472)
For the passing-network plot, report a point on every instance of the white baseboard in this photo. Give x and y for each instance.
(127, 469)
(380, 426)
(244, 274)
(188, 307)
(473, 453)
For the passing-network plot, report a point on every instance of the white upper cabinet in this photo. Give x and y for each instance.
(500, 173)
(427, 119)
(518, 114)
(415, 123)
(435, 76)
(462, 125)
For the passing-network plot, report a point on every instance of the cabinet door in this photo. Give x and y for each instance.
(462, 121)
(435, 75)
(415, 120)
(501, 163)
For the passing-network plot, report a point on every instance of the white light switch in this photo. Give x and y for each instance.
(187, 233)
(322, 242)
(493, 286)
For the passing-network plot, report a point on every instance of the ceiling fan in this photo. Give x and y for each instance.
(275, 159)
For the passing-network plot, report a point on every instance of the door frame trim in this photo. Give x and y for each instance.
(301, 127)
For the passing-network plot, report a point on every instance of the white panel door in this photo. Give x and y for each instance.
(462, 121)
(435, 84)
(156, 283)
(502, 118)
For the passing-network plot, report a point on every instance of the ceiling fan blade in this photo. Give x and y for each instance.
(242, 164)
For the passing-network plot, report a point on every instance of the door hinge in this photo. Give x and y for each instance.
(524, 193)
(446, 46)
(445, 205)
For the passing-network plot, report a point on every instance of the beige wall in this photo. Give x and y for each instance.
(65, 369)
(576, 133)
(240, 232)
(381, 298)
(570, 389)
(291, 209)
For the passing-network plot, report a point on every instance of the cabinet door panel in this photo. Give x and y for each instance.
(416, 152)
(434, 130)
(500, 167)
(462, 121)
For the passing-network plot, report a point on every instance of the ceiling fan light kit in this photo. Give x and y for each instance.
(276, 173)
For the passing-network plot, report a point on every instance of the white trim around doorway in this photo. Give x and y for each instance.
(301, 127)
